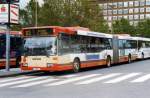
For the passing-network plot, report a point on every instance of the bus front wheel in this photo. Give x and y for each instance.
(76, 65)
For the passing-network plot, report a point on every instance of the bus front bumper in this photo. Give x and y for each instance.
(54, 67)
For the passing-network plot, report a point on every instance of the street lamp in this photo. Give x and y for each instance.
(36, 6)
(111, 7)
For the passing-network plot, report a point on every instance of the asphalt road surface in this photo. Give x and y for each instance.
(120, 81)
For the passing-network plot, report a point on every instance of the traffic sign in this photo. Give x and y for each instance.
(9, 13)
(8, 1)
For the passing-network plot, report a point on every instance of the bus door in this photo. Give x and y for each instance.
(122, 48)
(115, 49)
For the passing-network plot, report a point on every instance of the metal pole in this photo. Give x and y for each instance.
(8, 43)
(8, 47)
(36, 13)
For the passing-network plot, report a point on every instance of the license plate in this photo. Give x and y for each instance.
(36, 69)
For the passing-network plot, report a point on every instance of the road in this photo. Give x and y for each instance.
(121, 81)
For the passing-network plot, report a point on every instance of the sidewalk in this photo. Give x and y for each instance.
(13, 72)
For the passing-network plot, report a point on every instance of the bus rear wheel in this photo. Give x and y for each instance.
(108, 61)
(142, 56)
(129, 59)
(76, 65)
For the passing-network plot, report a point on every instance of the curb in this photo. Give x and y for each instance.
(12, 74)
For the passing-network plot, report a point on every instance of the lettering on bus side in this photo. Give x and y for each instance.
(92, 57)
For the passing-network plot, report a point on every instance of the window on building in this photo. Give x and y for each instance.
(136, 3)
(109, 5)
(142, 16)
(104, 12)
(105, 6)
(147, 15)
(130, 17)
(142, 2)
(109, 18)
(136, 10)
(148, 9)
(131, 3)
(125, 11)
(120, 4)
(130, 11)
(115, 5)
(125, 4)
(105, 17)
(114, 17)
(109, 12)
(136, 17)
(142, 10)
(147, 2)
(120, 11)
(125, 17)
(114, 11)
(119, 17)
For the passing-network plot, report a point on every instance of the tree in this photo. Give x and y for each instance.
(73, 13)
(123, 27)
(143, 28)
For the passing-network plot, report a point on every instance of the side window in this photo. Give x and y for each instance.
(121, 44)
(64, 44)
(99, 44)
(75, 44)
(147, 44)
(128, 44)
(133, 44)
(143, 44)
(84, 41)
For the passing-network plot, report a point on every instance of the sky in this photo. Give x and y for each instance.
(23, 3)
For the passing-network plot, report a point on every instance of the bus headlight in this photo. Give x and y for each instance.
(26, 64)
(49, 64)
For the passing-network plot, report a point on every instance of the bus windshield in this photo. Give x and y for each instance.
(40, 46)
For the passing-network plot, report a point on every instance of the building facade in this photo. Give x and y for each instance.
(133, 10)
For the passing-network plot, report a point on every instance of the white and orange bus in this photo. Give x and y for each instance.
(15, 46)
(143, 47)
(54, 48)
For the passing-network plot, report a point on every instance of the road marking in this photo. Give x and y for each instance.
(14, 79)
(141, 79)
(98, 78)
(119, 79)
(72, 80)
(68, 76)
(22, 81)
(35, 83)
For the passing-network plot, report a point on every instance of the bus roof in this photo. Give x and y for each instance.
(74, 30)
(94, 34)
(58, 29)
(142, 38)
(125, 36)
(12, 32)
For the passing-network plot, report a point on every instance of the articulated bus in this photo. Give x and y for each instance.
(143, 47)
(54, 48)
(15, 45)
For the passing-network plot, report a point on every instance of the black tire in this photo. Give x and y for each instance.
(18, 60)
(142, 56)
(129, 59)
(76, 65)
(108, 61)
